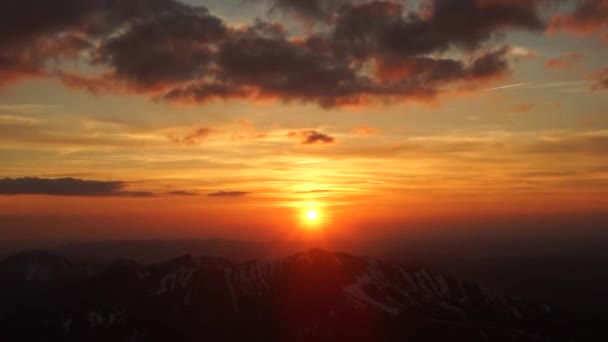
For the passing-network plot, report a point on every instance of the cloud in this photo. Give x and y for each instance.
(312, 191)
(600, 78)
(192, 138)
(311, 137)
(67, 187)
(182, 193)
(173, 51)
(174, 46)
(246, 130)
(311, 10)
(568, 60)
(32, 36)
(589, 16)
(509, 86)
(29, 131)
(228, 194)
(521, 53)
(365, 130)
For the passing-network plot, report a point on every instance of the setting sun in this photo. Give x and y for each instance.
(312, 215)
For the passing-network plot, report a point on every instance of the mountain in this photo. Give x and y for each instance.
(26, 278)
(570, 274)
(310, 296)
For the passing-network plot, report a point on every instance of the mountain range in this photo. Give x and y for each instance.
(309, 296)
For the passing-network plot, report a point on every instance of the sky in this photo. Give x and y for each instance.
(236, 119)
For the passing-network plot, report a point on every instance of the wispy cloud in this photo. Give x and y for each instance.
(312, 191)
(246, 130)
(311, 137)
(508, 86)
(541, 85)
(228, 194)
(182, 193)
(567, 60)
(192, 138)
(365, 130)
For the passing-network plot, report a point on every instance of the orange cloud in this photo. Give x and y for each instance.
(365, 130)
(567, 60)
(247, 131)
(589, 17)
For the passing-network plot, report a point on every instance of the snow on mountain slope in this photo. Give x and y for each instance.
(389, 287)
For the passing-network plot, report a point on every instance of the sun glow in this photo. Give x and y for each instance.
(312, 218)
(312, 215)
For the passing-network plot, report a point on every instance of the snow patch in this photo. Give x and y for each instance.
(357, 292)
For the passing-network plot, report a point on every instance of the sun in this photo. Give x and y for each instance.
(312, 215)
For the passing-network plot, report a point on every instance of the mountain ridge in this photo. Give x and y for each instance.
(314, 295)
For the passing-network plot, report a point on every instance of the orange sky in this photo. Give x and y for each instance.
(506, 119)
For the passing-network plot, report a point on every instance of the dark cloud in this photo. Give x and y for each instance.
(29, 28)
(66, 187)
(310, 9)
(331, 68)
(311, 137)
(24, 61)
(383, 27)
(179, 52)
(469, 22)
(171, 47)
(34, 33)
(228, 194)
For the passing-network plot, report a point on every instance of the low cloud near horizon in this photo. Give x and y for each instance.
(74, 187)
(228, 194)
